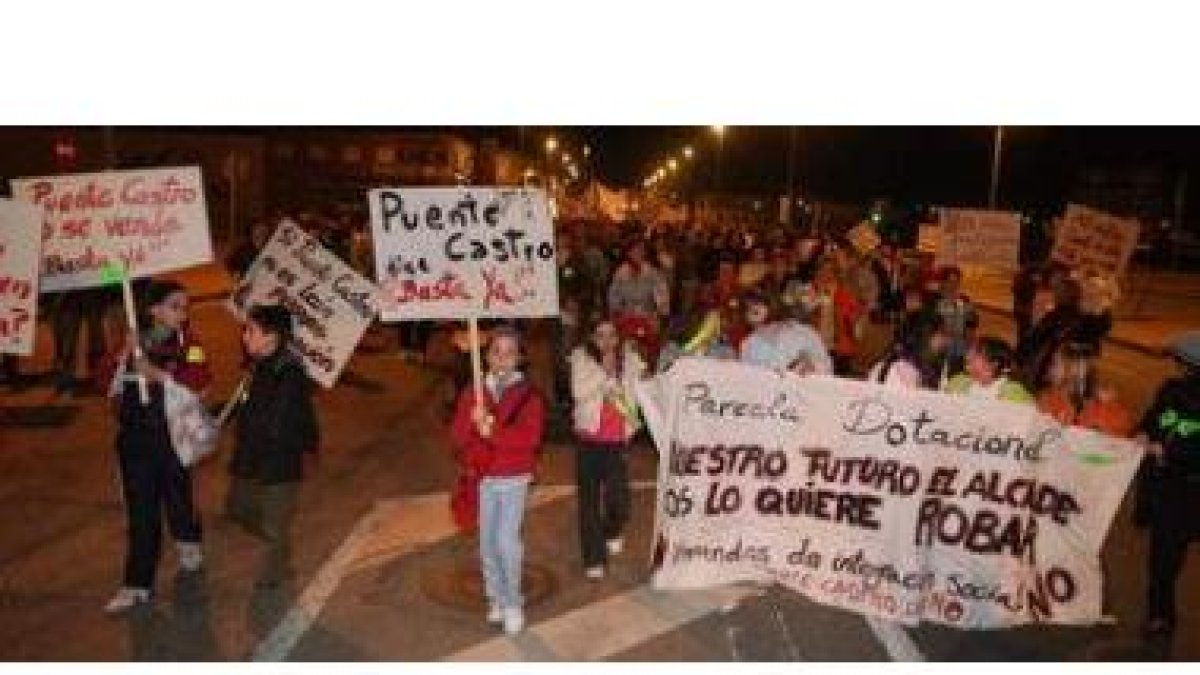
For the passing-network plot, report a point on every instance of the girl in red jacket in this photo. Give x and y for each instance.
(498, 438)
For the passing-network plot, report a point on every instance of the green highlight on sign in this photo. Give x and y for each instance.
(112, 273)
(1095, 459)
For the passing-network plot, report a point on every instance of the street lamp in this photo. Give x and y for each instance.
(688, 152)
(587, 151)
(551, 145)
(720, 132)
(672, 164)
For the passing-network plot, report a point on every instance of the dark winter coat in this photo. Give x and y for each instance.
(276, 422)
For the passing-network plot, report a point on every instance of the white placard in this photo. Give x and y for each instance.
(20, 243)
(977, 237)
(331, 304)
(904, 504)
(454, 253)
(151, 220)
(1089, 239)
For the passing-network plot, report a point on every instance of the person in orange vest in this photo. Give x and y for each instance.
(1076, 397)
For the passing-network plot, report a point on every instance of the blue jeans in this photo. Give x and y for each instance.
(501, 512)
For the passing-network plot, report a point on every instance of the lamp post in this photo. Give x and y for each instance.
(997, 144)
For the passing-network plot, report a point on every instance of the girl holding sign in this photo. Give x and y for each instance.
(153, 478)
(604, 372)
(498, 434)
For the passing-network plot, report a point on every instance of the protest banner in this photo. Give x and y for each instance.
(455, 253)
(863, 238)
(929, 238)
(904, 504)
(977, 237)
(1089, 239)
(332, 305)
(20, 243)
(146, 221)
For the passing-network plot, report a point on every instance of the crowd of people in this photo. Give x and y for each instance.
(634, 301)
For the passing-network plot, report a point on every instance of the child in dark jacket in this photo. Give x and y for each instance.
(497, 437)
(276, 427)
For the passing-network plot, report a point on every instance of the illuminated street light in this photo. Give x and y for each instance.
(566, 158)
(551, 144)
(672, 164)
(587, 151)
(688, 152)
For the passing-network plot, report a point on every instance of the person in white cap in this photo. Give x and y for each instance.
(1169, 500)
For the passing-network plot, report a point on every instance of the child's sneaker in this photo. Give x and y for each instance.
(514, 620)
(126, 599)
(495, 614)
(191, 558)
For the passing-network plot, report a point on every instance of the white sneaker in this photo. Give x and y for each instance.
(191, 558)
(495, 614)
(615, 546)
(126, 599)
(514, 620)
(594, 573)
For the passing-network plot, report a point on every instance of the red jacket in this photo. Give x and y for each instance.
(516, 436)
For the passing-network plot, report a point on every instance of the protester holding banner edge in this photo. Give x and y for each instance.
(604, 373)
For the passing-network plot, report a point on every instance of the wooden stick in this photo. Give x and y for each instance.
(476, 361)
(131, 320)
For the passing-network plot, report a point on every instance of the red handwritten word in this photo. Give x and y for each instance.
(16, 287)
(138, 191)
(11, 326)
(158, 225)
(496, 291)
(449, 287)
(91, 260)
(168, 192)
(86, 197)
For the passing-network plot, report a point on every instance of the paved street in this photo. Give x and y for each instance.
(383, 576)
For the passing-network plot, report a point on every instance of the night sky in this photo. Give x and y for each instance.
(942, 165)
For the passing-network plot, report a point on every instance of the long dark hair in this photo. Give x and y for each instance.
(589, 345)
(152, 294)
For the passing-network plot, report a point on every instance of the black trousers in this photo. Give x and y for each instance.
(1172, 527)
(266, 511)
(153, 481)
(602, 476)
(74, 310)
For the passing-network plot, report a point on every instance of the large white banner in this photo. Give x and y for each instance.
(454, 253)
(20, 227)
(1089, 239)
(332, 305)
(903, 504)
(151, 220)
(976, 237)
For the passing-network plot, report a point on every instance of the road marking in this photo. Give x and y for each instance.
(606, 627)
(893, 637)
(299, 618)
(394, 527)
